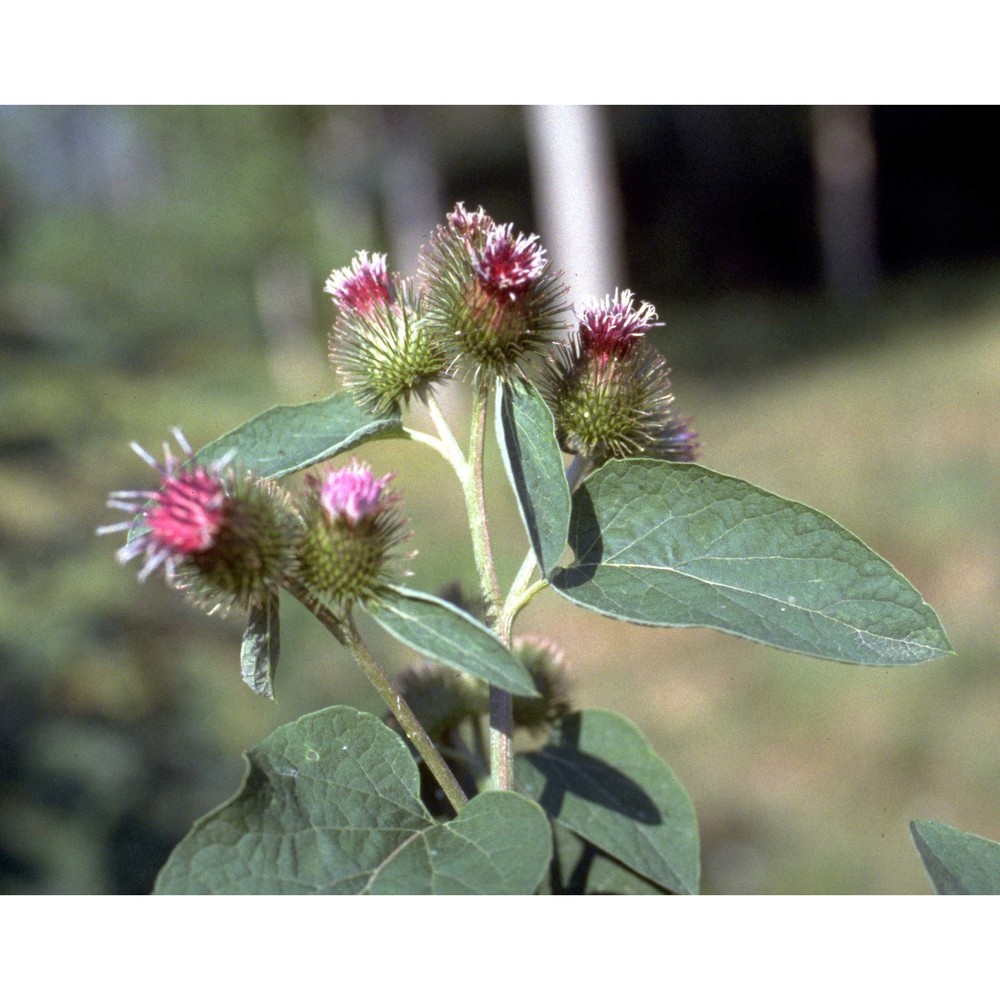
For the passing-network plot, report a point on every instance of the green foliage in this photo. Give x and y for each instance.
(285, 439)
(534, 466)
(580, 869)
(957, 863)
(261, 646)
(330, 804)
(672, 544)
(445, 633)
(598, 777)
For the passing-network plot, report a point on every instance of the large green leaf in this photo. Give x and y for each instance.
(599, 777)
(285, 439)
(330, 804)
(674, 544)
(533, 459)
(447, 634)
(580, 869)
(957, 863)
(261, 646)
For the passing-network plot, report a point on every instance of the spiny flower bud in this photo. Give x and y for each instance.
(377, 344)
(546, 663)
(488, 296)
(351, 524)
(609, 389)
(222, 537)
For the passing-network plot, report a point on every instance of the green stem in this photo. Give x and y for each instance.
(501, 702)
(475, 502)
(345, 631)
(446, 443)
(578, 468)
(432, 442)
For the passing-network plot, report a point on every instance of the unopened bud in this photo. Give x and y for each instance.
(351, 527)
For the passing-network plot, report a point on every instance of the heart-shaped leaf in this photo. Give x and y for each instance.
(674, 544)
(330, 804)
(533, 460)
(599, 777)
(957, 863)
(445, 633)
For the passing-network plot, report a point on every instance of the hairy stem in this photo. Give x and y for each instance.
(475, 502)
(501, 702)
(345, 631)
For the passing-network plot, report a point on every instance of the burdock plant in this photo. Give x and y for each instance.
(482, 776)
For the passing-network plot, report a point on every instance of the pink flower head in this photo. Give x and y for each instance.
(183, 516)
(362, 286)
(470, 224)
(353, 494)
(610, 327)
(507, 265)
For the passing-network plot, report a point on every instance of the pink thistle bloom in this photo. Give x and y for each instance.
(469, 224)
(183, 516)
(507, 265)
(353, 494)
(610, 327)
(362, 286)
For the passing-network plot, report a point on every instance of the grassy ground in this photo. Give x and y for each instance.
(124, 715)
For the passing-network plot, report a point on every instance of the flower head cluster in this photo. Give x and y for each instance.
(353, 494)
(611, 327)
(489, 296)
(377, 344)
(509, 265)
(223, 538)
(609, 389)
(361, 287)
(351, 525)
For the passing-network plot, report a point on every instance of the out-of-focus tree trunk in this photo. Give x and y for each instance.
(577, 196)
(844, 163)
(411, 186)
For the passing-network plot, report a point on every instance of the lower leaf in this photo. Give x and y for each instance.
(330, 804)
(600, 778)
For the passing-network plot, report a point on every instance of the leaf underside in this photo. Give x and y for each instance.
(445, 633)
(261, 646)
(533, 460)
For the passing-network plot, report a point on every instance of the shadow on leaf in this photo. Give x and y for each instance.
(585, 539)
(569, 770)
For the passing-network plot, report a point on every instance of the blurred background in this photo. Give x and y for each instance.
(829, 282)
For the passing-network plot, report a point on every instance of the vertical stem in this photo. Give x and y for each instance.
(501, 739)
(475, 499)
(501, 702)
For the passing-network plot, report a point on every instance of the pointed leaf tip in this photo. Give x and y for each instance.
(674, 544)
